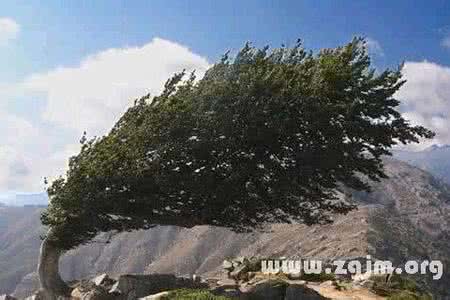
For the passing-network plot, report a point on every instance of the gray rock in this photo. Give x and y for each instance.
(7, 297)
(138, 286)
(227, 265)
(240, 273)
(97, 293)
(196, 278)
(298, 291)
(101, 279)
(77, 293)
(226, 282)
(88, 290)
(236, 262)
(239, 259)
(254, 264)
(226, 292)
(36, 296)
(158, 296)
(267, 289)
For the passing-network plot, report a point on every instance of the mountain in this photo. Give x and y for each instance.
(435, 159)
(22, 199)
(19, 244)
(406, 217)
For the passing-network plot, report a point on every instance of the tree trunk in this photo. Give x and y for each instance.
(51, 283)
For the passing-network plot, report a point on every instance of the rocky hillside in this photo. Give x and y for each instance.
(435, 159)
(407, 216)
(19, 244)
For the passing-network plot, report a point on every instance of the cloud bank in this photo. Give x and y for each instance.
(88, 97)
(426, 98)
(94, 94)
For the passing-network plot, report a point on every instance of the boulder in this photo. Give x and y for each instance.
(226, 292)
(254, 264)
(77, 293)
(295, 276)
(251, 275)
(227, 265)
(327, 283)
(266, 289)
(97, 293)
(226, 282)
(226, 287)
(159, 296)
(299, 291)
(362, 277)
(239, 260)
(103, 280)
(139, 286)
(39, 295)
(196, 278)
(239, 273)
(87, 290)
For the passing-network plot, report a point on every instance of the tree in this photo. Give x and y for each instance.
(264, 137)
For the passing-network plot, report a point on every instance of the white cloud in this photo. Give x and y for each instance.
(9, 30)
(90, 96)
(374, 47)
(446, 42)
(94, 94)
(426, 98)
(19, 137)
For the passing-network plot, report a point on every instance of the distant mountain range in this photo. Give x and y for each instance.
(435, 159)
(406, 217)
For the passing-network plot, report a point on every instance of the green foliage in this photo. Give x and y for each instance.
(321, 277)
(187, 294)
(398, 288)
(342, 285)
(266, 136)
(409, 296)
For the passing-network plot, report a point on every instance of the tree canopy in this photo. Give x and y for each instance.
(264, 136)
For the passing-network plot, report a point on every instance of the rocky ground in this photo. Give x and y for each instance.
(242, 279)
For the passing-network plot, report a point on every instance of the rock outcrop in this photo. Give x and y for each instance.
(260, 286)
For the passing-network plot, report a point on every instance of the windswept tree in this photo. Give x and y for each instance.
(264, 137)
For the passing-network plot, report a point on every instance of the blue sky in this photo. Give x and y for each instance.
(52, 53)
(62, 32)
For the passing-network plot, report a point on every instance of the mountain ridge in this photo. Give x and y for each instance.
(434, 159)
(405, 216)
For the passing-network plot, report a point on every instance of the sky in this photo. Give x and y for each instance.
(73, 66)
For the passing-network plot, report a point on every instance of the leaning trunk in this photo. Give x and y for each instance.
(51, 283)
